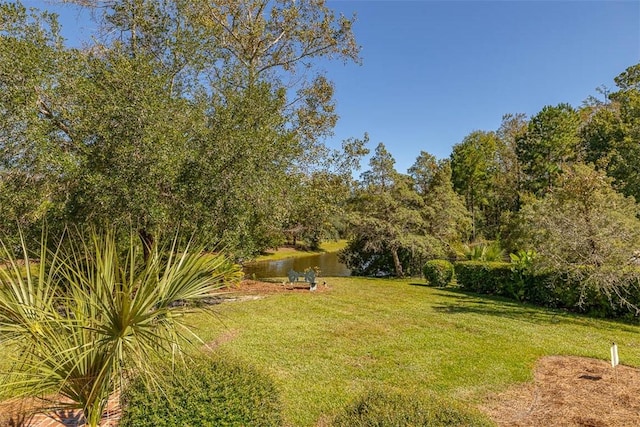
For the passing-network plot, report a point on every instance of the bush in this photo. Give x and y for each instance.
(599, 292)
(548, 289)
(439, 272)
(209, 391)
(494, 278)
(392, 409)
(602, 292)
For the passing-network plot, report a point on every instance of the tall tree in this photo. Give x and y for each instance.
(487, 172)
(612, 130)
(180, 113)
(473, 163)
(35, 144)
(508, 177)
(387, 225)
(446, 216)
(130, 131)
(550, 143)
(423, 171)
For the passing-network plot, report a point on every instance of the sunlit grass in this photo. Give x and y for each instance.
(333, 245)
(286, 252)
(323, 349)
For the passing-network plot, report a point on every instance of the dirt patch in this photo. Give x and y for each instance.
(571, 391)
(255, 287)
(224, 338)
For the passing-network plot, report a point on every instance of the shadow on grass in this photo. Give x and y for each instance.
(426, 285)
(498, 308)
(464, 302)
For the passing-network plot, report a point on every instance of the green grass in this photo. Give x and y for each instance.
(325, 349)
(286, 252)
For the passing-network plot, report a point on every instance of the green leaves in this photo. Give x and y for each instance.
(586, 230)
(91, 314)
(550, 143)
(398, 221)
(184, 114)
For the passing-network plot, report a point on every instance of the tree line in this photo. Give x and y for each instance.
(210, 118)
(563, 183)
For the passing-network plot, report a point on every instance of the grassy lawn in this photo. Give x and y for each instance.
(324, 349)
(289, 252)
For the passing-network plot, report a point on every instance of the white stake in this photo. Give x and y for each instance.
(614, 355)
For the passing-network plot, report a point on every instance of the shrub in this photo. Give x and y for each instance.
(210, 391)
(580, 290)
(486, 277)
(391, 409)
(600, 292)
(439, 272)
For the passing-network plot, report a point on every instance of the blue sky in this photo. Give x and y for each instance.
(434, 71)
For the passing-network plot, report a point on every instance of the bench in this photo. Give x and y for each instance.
(309, 277)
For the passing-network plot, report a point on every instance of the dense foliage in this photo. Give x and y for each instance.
(578, 290)
(497, 278)
(438, 272)
(208, 391)
(583, 221)
(175, 114)
(197, 115)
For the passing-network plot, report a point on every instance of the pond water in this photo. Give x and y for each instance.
(328, 263)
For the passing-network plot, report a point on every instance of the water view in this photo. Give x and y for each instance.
(328, 263)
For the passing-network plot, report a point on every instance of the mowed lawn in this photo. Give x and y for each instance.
(324, 349)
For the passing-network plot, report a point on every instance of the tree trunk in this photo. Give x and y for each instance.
(147, 243)
(396, 262)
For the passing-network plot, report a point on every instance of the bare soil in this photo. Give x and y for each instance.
(255, 287)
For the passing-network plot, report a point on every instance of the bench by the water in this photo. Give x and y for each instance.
(309, 277)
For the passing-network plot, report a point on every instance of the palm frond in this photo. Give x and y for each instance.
(90, 315)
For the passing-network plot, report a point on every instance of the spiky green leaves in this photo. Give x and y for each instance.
(88, 314)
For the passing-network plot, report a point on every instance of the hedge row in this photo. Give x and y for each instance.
(577, 291)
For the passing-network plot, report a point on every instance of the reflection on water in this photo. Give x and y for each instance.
(327, 262)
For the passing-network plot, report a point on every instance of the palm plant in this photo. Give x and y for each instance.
(486, 252)
(85, 316)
